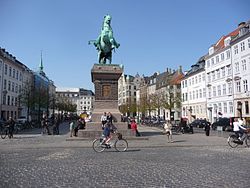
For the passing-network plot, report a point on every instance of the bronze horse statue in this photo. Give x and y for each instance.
(105, 42)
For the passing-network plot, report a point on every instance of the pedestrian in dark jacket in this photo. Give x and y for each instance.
(207, 129)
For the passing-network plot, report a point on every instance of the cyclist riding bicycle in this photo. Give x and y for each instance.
(106, 133)
(238, 128)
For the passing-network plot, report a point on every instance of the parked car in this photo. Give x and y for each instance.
(200, 123)
(21, 119)
(225, 123)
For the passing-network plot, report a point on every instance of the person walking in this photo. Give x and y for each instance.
(45, 125)
(72, 127)
(134, 128)
(168, 127)
(207, 129)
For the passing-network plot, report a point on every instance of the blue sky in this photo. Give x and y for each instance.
(154, 34)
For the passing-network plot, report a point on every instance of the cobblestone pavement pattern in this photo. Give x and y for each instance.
(191, 161)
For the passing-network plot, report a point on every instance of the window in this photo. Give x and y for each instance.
(204, 92)
(209, 92)
(13, 87)
(14, 73)
(246, 107)
(230, 88)
(10, 70)
(223, 72)
(197, 94)
(225, 107)
(219, 107)
(218, 73)
(217, 59)
(196, 79)
(222, 56)
(5, 69)
(213, 75)
(219, 90)
(212, 61)
(192, 81)
(208, 61)
(208, 77)
(214, 91)
(224, 89)
(203, 77)
(244, 65)
(190, 95)
(245, 85)
(229, 70)
(242, 46)
(238, 86)
(228, 54)
(4, 84)
(9, 85)
(200, 91)
(193, 95)
(8, 100)
(237, 67)
(231, 108)
(236, 49)
(199, 78)
(248, 43)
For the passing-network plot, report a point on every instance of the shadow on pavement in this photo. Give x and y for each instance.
(150, 133)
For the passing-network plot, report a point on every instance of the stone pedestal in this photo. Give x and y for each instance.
(105, 78)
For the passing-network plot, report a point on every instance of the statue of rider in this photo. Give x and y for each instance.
(105, 42)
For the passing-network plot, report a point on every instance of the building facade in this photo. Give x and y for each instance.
(240, 46)
(193, 88)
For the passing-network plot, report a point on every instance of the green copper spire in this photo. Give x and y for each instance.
(41, 63)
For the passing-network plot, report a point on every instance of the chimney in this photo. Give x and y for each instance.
(180, 69)
(241, 24)
(170, 71)
(167, 70)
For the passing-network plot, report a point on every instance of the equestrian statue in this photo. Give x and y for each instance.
(105, 43)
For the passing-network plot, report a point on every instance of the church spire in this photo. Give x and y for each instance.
(41, 63)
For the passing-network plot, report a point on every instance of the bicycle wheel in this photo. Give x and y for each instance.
(232, 139)
(121, 145)
(248, 141)
(97, 147)
(4, 133)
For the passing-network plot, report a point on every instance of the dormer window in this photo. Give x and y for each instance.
(227, 41)
(211, 50)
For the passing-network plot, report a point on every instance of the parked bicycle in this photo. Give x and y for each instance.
(5, 131)
(233, 139)
(120, 144)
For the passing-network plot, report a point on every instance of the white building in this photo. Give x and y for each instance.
(241, 71)
(193, 87)
(127, 87)
(219, 79)
(11, 80)
(83, 98)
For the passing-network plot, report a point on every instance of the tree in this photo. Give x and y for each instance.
(171, 99)
(26, 97)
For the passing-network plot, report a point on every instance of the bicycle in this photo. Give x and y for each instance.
(120, 144)
(233, 140)
(5, 130)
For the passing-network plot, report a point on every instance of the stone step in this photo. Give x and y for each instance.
(97, 133)
(98, 126)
